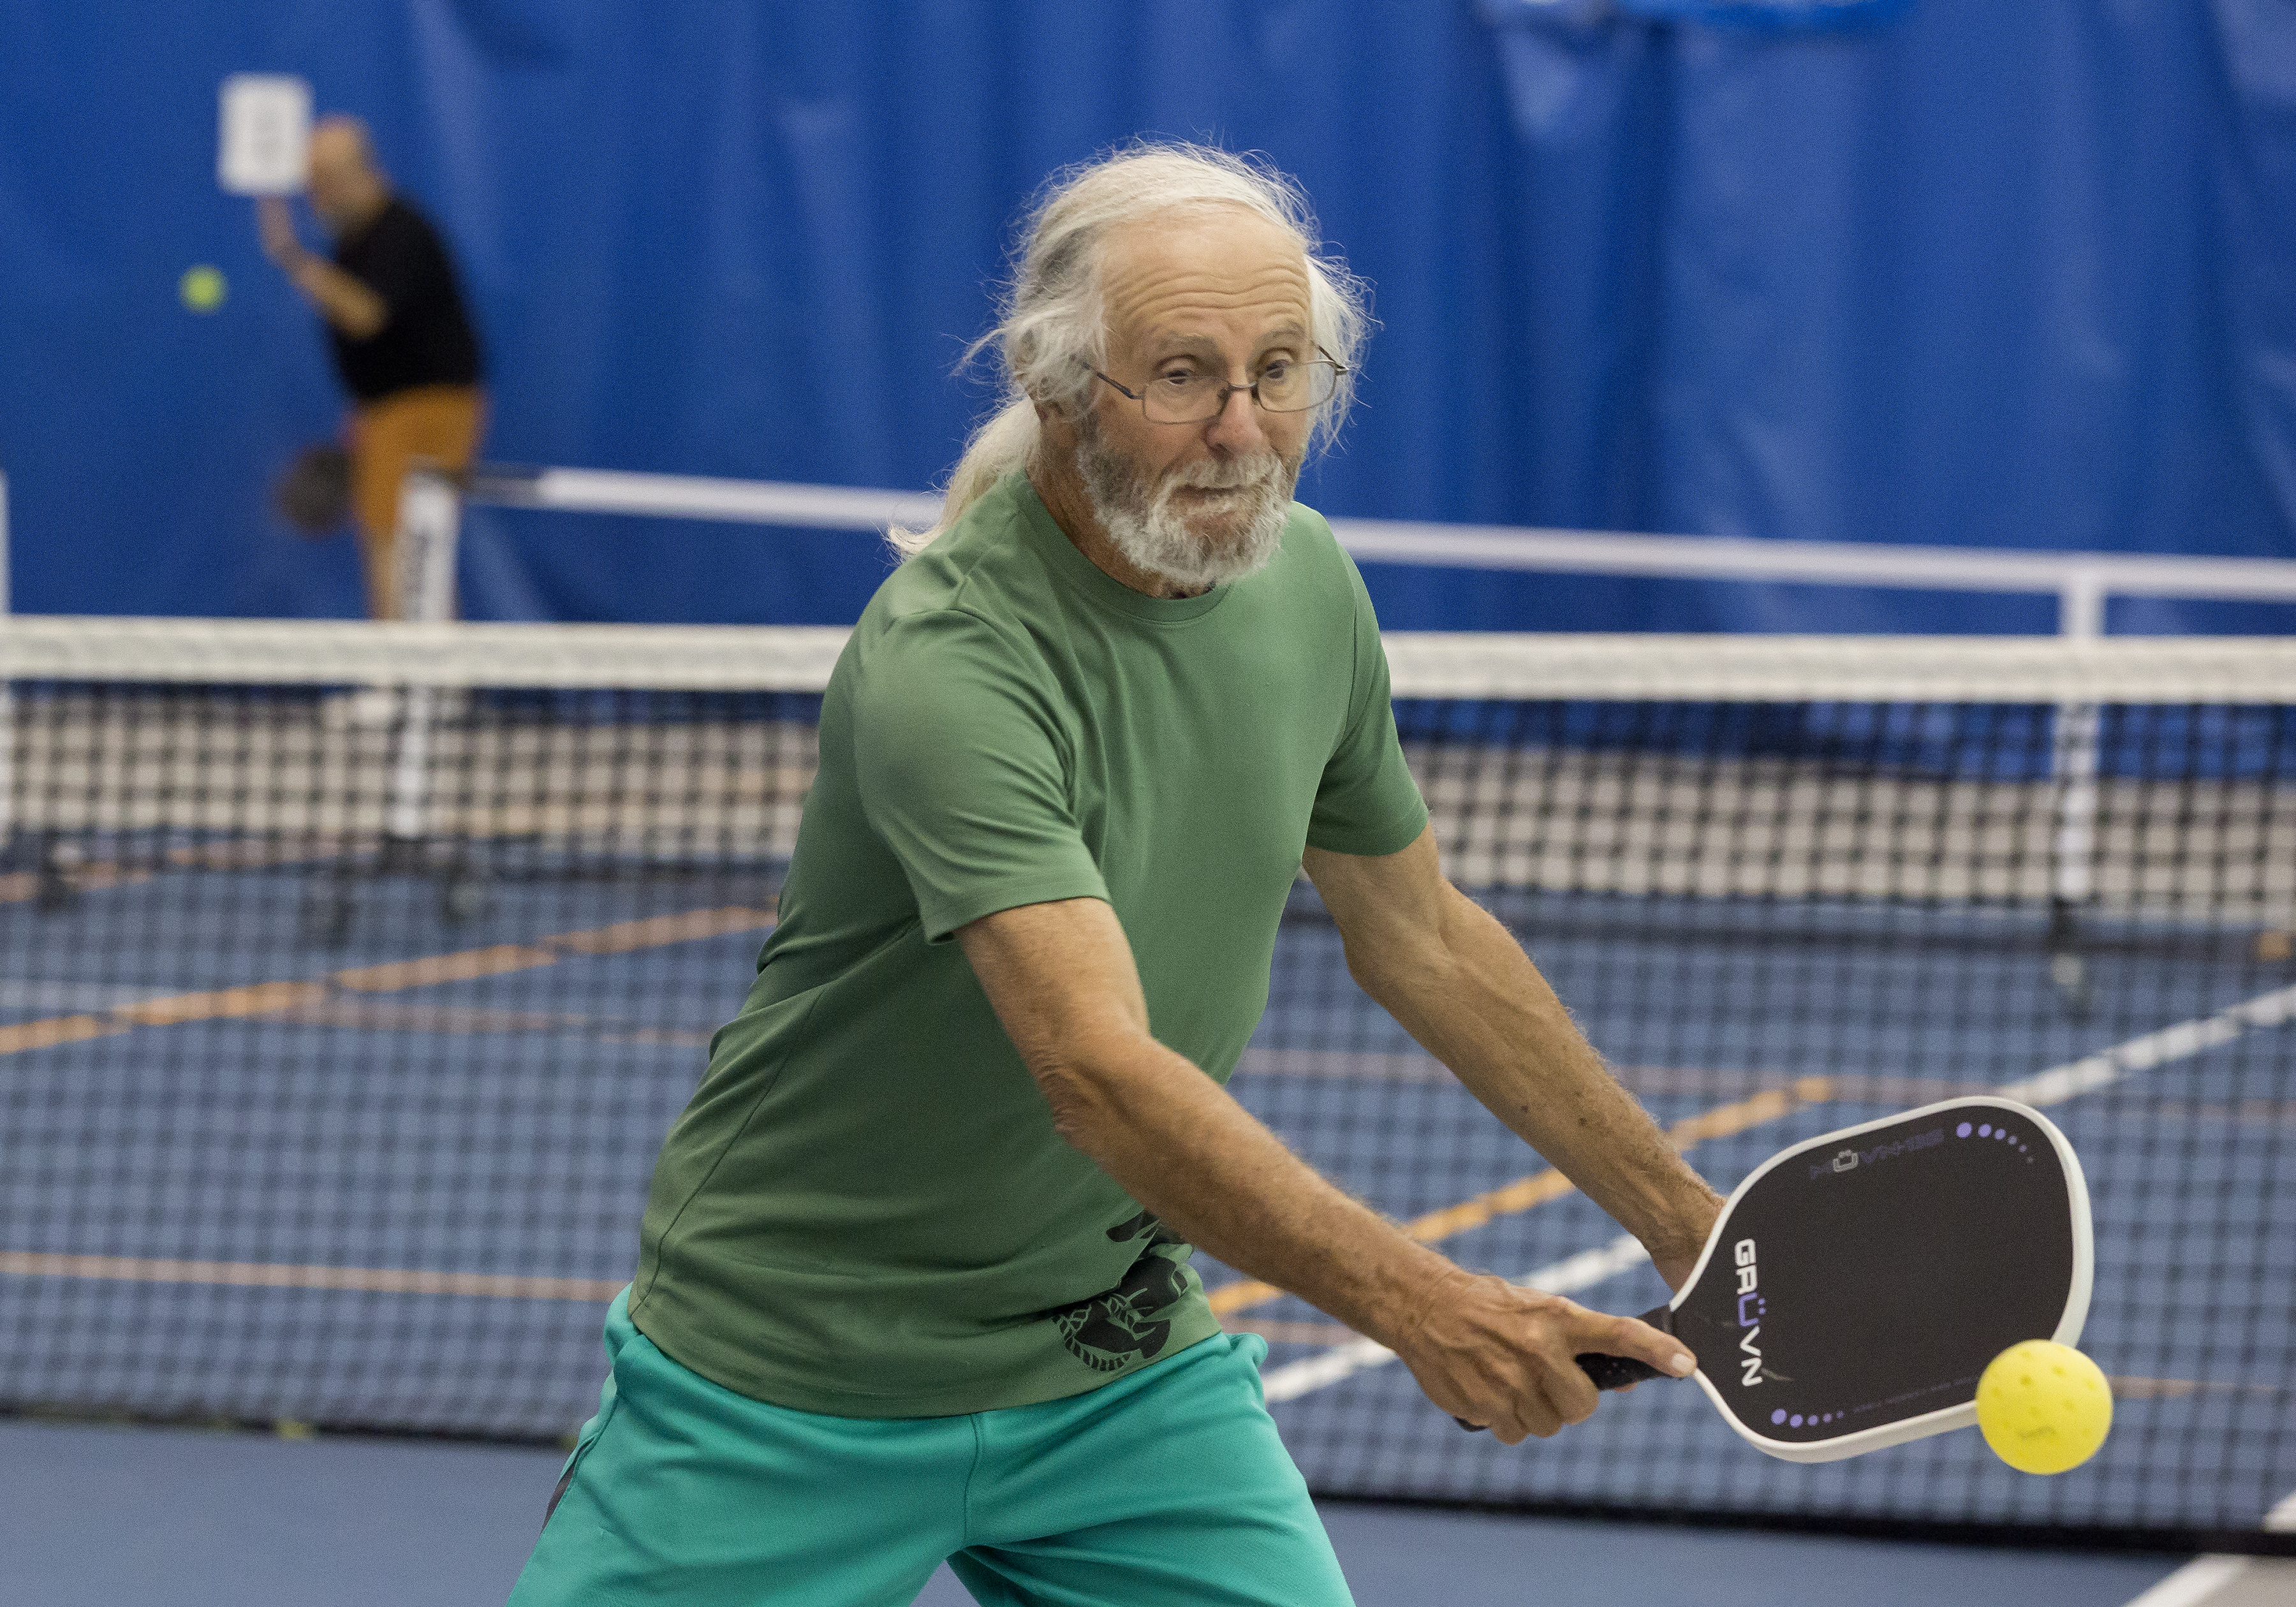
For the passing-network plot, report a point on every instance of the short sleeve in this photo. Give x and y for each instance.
(1367, 802)
(958, 755)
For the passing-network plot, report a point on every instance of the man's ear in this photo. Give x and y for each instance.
(1057, 423)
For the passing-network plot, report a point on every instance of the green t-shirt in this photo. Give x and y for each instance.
(865, 1211)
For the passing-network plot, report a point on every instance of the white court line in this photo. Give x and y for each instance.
(2052, 1086)
(2202, 1578)
(1582, 1271)
(2195, 1583)
(2180, 1042)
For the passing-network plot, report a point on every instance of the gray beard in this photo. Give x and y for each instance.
(1155, 536)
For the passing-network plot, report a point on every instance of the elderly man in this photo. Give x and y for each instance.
(401, 340)
(913, 1280)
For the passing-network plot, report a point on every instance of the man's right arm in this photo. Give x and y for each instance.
(345, 302)
(1062, 979)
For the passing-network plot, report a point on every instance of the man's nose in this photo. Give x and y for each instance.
(1236, 429)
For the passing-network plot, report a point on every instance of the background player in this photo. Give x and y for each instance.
(396, 324)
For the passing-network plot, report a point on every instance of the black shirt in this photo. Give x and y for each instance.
(425, 339)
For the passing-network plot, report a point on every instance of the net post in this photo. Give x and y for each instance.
(429, 530)
(430, 523)
(2073, 760)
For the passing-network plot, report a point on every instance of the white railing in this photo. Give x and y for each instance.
(2081, 582)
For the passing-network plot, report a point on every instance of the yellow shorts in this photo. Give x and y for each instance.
(438, 424)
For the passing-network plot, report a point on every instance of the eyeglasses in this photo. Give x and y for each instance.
(1185, 396)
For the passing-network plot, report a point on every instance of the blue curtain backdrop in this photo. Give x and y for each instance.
(1958, 273)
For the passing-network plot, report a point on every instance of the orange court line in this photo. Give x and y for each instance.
(257, 998)
(265, 1275)
(465, 965)
(56, 1029)
(287, 997)
(655, 931)
(1723, 1122)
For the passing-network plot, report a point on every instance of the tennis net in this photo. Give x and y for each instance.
(349, 976)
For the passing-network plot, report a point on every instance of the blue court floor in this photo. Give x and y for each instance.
(183, 1518)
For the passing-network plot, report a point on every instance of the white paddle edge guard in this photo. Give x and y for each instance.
(2070, 1323)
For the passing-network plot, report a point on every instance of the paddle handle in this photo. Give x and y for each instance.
(1611, 1371)
(1615, 1371)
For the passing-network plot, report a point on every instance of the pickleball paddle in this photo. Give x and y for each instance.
(1856, 1284)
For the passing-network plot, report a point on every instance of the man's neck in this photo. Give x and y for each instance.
(355, 221)
(1064, 497)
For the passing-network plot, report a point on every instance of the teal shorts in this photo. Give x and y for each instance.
(1169, 1486)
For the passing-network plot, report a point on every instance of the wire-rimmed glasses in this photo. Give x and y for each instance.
(1188, 395)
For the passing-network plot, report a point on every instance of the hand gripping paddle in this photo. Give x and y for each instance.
(1855, 1286)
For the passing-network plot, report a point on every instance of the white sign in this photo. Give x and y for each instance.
(267, 134)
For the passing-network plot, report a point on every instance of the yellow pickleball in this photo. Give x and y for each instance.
(2043, 1407)
(202, 288)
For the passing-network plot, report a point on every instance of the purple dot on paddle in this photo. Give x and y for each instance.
(1985, 1129)
(1794, 1422)
(1779, 1415)
(1962, 1131)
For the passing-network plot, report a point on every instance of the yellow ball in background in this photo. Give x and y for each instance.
(2043, 1407)
(202, 288)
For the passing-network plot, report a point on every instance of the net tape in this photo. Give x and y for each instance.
(1986, 669)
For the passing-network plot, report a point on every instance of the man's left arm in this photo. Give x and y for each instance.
(1460, 984)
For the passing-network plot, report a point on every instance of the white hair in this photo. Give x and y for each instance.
(1052, 330)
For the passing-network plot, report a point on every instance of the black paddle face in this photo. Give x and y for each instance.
(1857, 1284)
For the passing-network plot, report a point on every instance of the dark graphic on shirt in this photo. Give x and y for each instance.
(1111, 1332)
